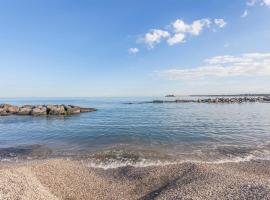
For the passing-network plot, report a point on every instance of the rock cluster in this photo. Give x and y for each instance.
(265, 99)
(42, 110)
(234, 100)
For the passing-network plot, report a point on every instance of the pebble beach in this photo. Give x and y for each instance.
(66, 179)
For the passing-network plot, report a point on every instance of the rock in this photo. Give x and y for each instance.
(3, 112)
(25, 110)
(158, 101)
(39, 110)
(13, 109)
(87, 110)
(56, 110)
(7, 109)
(72, 110)
(5, 106)
(266, 98)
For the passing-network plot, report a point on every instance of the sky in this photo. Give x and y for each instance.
(110, 48)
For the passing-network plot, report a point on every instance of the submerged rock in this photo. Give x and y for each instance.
(87, 110)
(42, 110)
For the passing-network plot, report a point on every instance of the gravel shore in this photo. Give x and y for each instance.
(66, 179)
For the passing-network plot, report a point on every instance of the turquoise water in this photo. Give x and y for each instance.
(182, 131)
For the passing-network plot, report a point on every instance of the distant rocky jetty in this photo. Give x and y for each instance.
(213, 100)
(170, 95)
(42, 110)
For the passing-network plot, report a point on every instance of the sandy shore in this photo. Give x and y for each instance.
(63, 179)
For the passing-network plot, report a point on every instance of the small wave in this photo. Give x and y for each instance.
(148, 163)
(116, 164)
(258, 154)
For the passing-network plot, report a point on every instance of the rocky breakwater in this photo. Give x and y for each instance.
(235, 100)
(42, 110)
(219, 100)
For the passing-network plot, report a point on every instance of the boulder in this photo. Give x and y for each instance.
(266, 98)
(13, 109)
(3, 112)
(72, 110)
(39, 110)
(56, 110)
(5, 106)
(9, 108)
(25, 110)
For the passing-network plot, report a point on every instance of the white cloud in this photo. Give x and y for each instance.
(251, 2)
(245, 14)
(179, 30)
(220, 22)
(197, 26)
(155, 36)
(180, 26)
(177, 38)
(252, 64)
(133, 50)
(261, 2)
(266, 3)
(194, 28)
(182, 29)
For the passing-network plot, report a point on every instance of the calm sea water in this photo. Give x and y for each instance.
(164, 131)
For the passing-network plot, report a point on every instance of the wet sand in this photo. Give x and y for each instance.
(67, 179)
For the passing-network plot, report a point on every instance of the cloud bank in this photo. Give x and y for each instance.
(251, 64)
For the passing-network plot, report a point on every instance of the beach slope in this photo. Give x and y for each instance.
(65, 179)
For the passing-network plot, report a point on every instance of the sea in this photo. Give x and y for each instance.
(127, 131)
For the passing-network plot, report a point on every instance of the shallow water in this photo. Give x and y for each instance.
(135, 132)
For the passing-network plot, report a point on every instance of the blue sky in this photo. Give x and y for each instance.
(87, 48)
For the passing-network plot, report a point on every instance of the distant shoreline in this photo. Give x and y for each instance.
(230, 95)
(219, 100)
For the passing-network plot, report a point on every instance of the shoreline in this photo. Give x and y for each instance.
(69, 179)
(133, 155)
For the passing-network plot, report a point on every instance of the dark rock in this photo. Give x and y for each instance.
(56, 110)
(158, 101)
(266, 98)
(87, 110)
